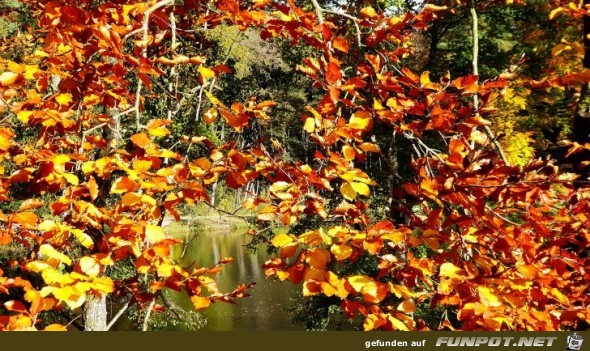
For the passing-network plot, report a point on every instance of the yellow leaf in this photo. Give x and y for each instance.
(200, 302)
(215, 101)
(49, 254)
(309, 125)
(72, 298)
(281, 240)
(40, 53)
(560, 297)
(487, 298)
(358, 282)
(555, 12)
(361, 188)
(103, 284)
(206, 73)
(8, 78)
(360, 120)
(159, 131)
(72, 179)
(141, 165)
(348, 191)
(88, 166)
(397, 324)
(37, 266)
(401, 291)
(368, 12)
(55, 327)
(154, 233)
(325, 237)
(64, 99)
(425, 78)
(341, 251)
(24, 116)
(89, 266)
(30, 71)
(60, 159)
(83, 238)
(357, 175)
(449, 270)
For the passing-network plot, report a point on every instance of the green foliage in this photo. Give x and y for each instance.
(320, 313)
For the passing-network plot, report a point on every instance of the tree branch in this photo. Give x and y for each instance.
(319, 10)
(117, 316)
(148, 315)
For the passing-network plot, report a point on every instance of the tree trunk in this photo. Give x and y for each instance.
(95, 313)
(475, 66)
(581, 127)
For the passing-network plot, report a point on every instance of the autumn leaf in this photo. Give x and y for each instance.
(341, 251)
(200, 302)
(281, 240)
(154, 233)
(360, 120)
(63, 99)
(341, 44)
(210, 116)
(206, 73)
(141, 140)
(347, 190)
(89, 266)
(52, 256)
(8, 78)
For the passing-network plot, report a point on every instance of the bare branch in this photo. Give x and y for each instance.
(148, 315)
(117, 316)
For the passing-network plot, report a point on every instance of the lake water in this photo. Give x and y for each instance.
(266, 308)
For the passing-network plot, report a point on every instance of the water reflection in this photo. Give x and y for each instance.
(265, 309)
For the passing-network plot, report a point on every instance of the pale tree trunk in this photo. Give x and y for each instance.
(475, 65)
(581, 125)
(95, 313)
(581, 128)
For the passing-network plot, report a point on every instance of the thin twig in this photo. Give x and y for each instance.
(117, 316)
(148, 315)
(354, 21)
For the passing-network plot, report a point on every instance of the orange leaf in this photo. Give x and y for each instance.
(141, 140)
(55, 327)
(339, 43)
(406, 307)
(225, 260)
(527, 271)
(30, 203)
(27, 220)
(210, 116)
(200, 302)
(333, 74)
(348, 152)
